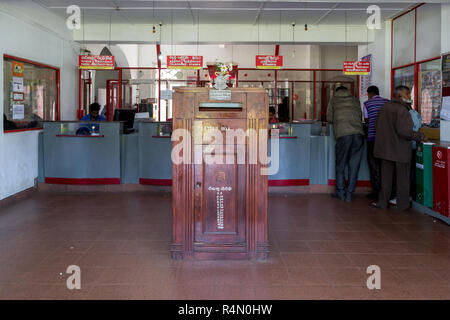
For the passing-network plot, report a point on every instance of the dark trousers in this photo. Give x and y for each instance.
(348, 150)
(374, 168)
(402, 173)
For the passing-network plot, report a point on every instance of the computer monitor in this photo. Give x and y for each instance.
(126, 115)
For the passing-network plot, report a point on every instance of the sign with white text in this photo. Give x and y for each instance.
(356, 67)
(96, 62)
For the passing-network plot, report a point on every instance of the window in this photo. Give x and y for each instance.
(430, 90)
(30, 94)
(405, 77)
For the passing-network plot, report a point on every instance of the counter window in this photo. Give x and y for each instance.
(430, 90)
(30, 94)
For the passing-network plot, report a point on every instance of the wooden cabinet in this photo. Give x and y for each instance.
(219, 207)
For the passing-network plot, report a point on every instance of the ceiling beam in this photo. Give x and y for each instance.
(258, 13)
(326, 14)
(190, 10)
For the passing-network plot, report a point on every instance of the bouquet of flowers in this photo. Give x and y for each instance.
(227, 70)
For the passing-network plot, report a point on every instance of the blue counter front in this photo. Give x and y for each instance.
(306, 156)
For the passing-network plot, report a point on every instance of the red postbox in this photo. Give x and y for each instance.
(441, 178)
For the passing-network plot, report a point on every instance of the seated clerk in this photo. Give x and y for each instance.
(93, 115)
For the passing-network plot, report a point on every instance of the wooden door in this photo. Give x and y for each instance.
(219, 203)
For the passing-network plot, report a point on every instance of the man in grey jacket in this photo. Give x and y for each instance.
(344, 111)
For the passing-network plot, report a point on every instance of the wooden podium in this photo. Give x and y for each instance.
(219, 210)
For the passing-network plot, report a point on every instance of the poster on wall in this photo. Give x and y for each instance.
(269, 62)
(18, 69)
(184, 62)
(18, 84)
(355, 68)
(96, 62)
(365, 81)
(18, 112)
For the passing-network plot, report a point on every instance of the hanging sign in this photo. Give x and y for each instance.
(17, 84)
(96, 62)
(184, 62)
(356, 67)
(365, 81)
(269, 62)
(17, 69)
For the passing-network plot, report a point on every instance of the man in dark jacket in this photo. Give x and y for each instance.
(344, 111)
(394, 131)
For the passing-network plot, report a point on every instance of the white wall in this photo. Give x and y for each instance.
(29, 31)
(445, 28)
(380, 50)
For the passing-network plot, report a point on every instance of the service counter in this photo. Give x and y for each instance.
(70, 157)
(144, 156)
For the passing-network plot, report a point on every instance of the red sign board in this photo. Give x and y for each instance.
(356, 67)
(269, 62)
(184, 62)
(96, 62)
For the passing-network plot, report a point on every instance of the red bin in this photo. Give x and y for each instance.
(441, 179)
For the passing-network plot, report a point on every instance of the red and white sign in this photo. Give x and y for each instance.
(184, 62)
(269, 62)
(96, 62)
(356, 67)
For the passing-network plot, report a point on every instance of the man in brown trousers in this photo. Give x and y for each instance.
(394, 131)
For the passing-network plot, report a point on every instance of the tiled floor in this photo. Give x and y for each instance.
(321, 248)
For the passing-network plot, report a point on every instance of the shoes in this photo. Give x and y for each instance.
(394, 201)
(337, 196)
(375, 205)
(348, 197)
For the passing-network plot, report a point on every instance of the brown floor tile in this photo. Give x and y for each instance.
(320, 249)
(308, 277)
(291, 292)
(356, 293)
(346, 276)
(109, 292)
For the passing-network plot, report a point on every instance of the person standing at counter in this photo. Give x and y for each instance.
(94, 113)
(344, 111)
(371, 108)
(394, 131)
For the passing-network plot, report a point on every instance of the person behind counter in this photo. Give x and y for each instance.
(272, 118)
(344, 111)
(394, 131)
(94, 113)
(371, 108)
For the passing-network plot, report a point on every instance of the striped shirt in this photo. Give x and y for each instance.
(371, 109)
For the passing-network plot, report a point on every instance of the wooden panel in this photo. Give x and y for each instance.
(219, 209)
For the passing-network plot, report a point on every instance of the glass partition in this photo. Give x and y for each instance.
(30, 94)
(430, 90)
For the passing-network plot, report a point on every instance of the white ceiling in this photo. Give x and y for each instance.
(226, 11)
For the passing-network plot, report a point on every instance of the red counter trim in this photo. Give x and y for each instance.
(81, 181)
(79, 136)
(289, 137)
(288, 182)
(168, 137)
(22, 130)
(359, 183)
(156, 182)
